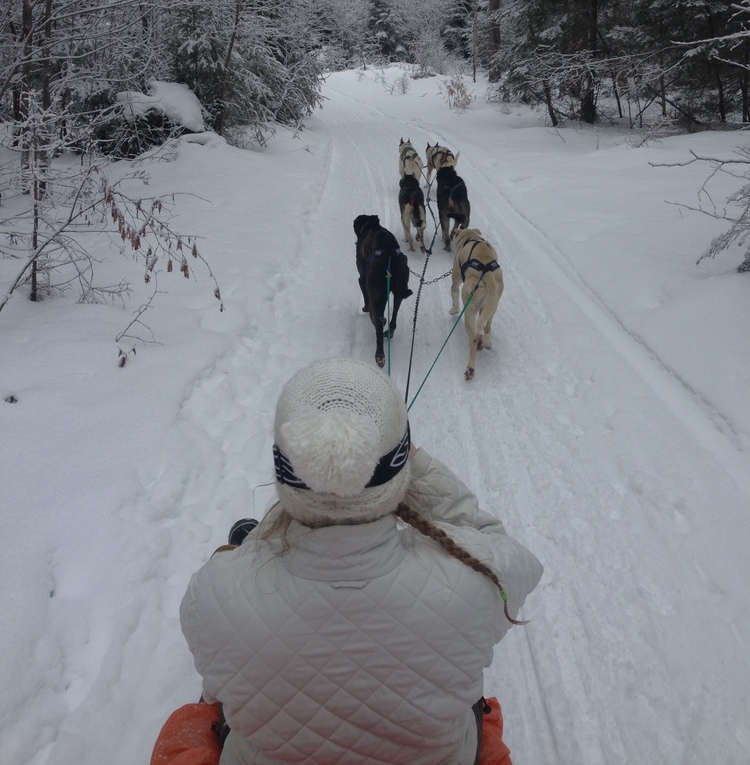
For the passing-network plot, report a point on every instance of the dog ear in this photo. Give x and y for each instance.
(401, 142)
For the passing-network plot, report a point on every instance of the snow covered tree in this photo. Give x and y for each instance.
(730, 49)
(70, 53)
(250, 64)
(59, 61)
(341, 33)
(388, 29)
(457, 27)
(566, 53)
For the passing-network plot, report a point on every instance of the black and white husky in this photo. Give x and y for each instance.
(409, 161)
(439, 156)
(411, 205)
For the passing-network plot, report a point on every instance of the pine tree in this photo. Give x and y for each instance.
(456, 31)
(387, 29)
(249, 66)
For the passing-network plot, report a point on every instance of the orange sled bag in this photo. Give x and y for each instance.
(190, 737)
(493, 750)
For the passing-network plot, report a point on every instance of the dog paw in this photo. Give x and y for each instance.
(453, 311)
(469, 374)
(380, 361)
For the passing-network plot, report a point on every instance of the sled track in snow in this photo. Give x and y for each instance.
(707, 425)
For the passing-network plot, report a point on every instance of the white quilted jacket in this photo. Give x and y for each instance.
(360, 645)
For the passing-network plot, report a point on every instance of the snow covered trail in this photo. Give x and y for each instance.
(622, 467)
(571, 432)
(629, 626)
(599, 457)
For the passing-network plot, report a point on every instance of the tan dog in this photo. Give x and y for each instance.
(439, 156)
(409, 161)
(475, 263)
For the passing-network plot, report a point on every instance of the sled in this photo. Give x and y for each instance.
(191, 736)
(493, 750)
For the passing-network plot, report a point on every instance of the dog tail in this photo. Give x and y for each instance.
(455, 159)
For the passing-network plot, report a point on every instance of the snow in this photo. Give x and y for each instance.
(174, 99)
(609, 427)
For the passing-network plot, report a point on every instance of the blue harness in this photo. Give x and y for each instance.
(379, 253)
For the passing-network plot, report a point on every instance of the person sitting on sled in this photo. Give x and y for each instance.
(354, 623)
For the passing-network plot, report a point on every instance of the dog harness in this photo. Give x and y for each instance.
(452, 189)
(477, 265)
(379, 253)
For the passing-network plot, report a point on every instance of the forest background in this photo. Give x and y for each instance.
(256, 63)
(83, 76)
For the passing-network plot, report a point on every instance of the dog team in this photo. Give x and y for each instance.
(383, 267)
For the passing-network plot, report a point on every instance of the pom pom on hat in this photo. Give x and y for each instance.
(335, 421)
(332, 452)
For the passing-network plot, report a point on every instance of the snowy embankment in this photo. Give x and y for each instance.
(608, 428)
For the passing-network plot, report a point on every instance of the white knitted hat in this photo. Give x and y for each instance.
(342, 440)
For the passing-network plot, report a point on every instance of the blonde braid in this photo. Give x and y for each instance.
(275, 523)
(423, 526)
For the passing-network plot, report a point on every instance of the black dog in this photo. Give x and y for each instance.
(453, 202)
(378, 255)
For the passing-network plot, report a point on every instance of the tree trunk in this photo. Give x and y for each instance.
(224, 75)
(743, 82)
(588, 103)
(493, 40)
(548, 100)
(588, 95)
(24, 94)
(42, 149)
(474, 42)
(720, 94)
